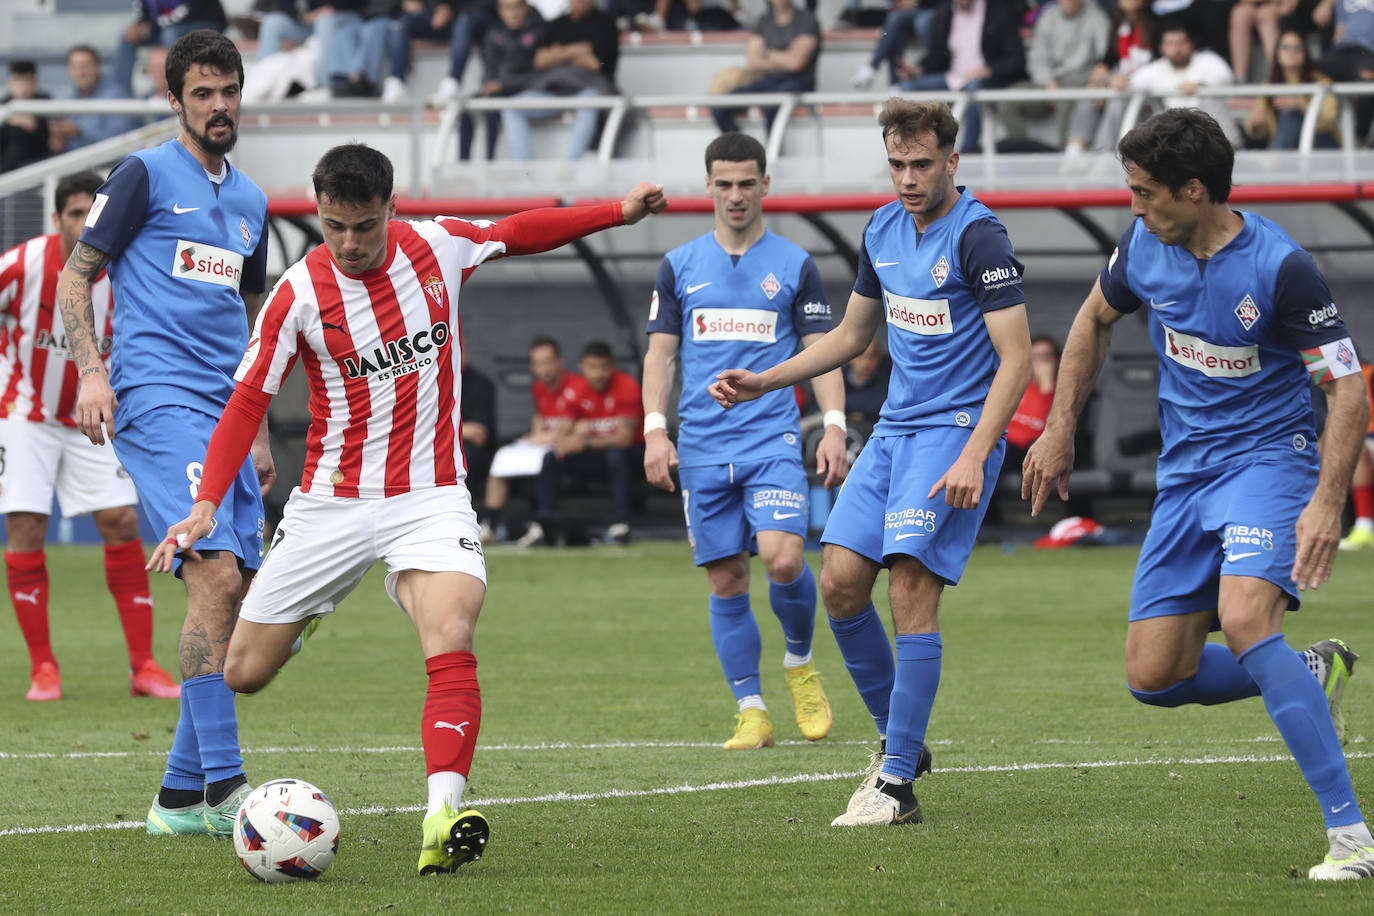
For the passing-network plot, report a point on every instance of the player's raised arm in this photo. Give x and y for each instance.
(643, 199)
(547, 228)
(1049, 461)
(831, 351)
(660, 368)
(95, 404)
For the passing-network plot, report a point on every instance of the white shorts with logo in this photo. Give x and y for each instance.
(38, 458)
(326, 544)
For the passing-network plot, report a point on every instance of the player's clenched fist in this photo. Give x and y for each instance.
(643, 199)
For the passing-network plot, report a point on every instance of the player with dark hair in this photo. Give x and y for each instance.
(41, 451)
(372, 314)
(185, 238)
(741, 295)
(1249, 506)
(938, 266)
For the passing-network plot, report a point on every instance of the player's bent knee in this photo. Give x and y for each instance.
(243, 675)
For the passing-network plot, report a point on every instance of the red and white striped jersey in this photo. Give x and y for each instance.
(38, 380)
(382, 357)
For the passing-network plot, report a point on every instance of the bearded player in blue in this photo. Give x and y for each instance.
(185, 238)
(938, 266)
(741, 295)
(1249, 506)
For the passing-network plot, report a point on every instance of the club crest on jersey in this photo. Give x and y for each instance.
(243, 231)
(1247, 312)
(399, 357)
(435, 287)
(940, 272)
(1344, 355)
(770, 285)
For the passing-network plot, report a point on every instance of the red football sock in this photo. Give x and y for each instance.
(1364, 500)
(27, 574)
(128, 582)
(453, 713)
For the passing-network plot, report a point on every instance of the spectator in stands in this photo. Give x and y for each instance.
(780, 57)
(576, 55)
(1095, 124)
(606, 443)
(1247, 18)
(689, 16)
(507, 66)
(478, 410)
(334, 24)
(1181, 70)
(1351, 56)
(1276, 121)
(1028, 422)
(906, 20)
(974, 44)
(558, 395)
(363, 50)
(24, 138)
(1070, 37)
(77, 130)
(161, 22)
(464, 24)
(156, 71)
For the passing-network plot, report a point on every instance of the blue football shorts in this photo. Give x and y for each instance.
(882, 509)
(1241, 523)
(164, 452)
(725, 504)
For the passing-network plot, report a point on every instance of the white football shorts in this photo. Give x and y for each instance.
(38, 458)
(326, 544)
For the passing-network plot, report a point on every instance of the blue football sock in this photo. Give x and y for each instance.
(794, 604)
(868, 656)
(1298, 707)
(183, 760)
(217, 728)
(913, 694)
(1220, 678)
(736, 635)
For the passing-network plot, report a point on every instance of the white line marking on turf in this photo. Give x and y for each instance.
(575, 746)
(686, 788)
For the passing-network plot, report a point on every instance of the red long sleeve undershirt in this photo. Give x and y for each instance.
(231, 441)
(529, 232)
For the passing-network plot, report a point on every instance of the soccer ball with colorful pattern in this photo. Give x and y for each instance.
(286, 830)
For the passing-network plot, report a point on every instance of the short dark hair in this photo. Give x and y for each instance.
(353, 173)
(203, 46)
(23, 68)
(903, 119)
(1048, 339)
(1175, 23)
(598, 348)
(543, 341)
(82, 49)
(1178, 145)
(80, 183)
(736, 147)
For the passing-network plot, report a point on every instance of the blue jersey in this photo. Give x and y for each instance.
(1237, 336)
(935, 287)
(182, 249)
(746, 311)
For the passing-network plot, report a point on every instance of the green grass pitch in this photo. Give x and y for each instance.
(598, 766)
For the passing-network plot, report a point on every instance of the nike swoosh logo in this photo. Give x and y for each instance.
(912, 534)
(779, 516)
(1335, 810)
(882, 263)
(1160, 305)
(696, 286)
(738, 681)
(176, 208)
(1233, 557)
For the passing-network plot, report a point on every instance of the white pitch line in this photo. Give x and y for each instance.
(584, 746)
(688, 788)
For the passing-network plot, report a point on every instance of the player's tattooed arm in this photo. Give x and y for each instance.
(78, 312)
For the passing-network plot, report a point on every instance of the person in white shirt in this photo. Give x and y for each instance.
(1180, 70)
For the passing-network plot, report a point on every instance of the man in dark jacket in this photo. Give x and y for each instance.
(975, 44)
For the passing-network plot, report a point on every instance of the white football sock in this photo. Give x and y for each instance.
(445, 787)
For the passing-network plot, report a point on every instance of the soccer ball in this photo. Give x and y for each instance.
(286, 830)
